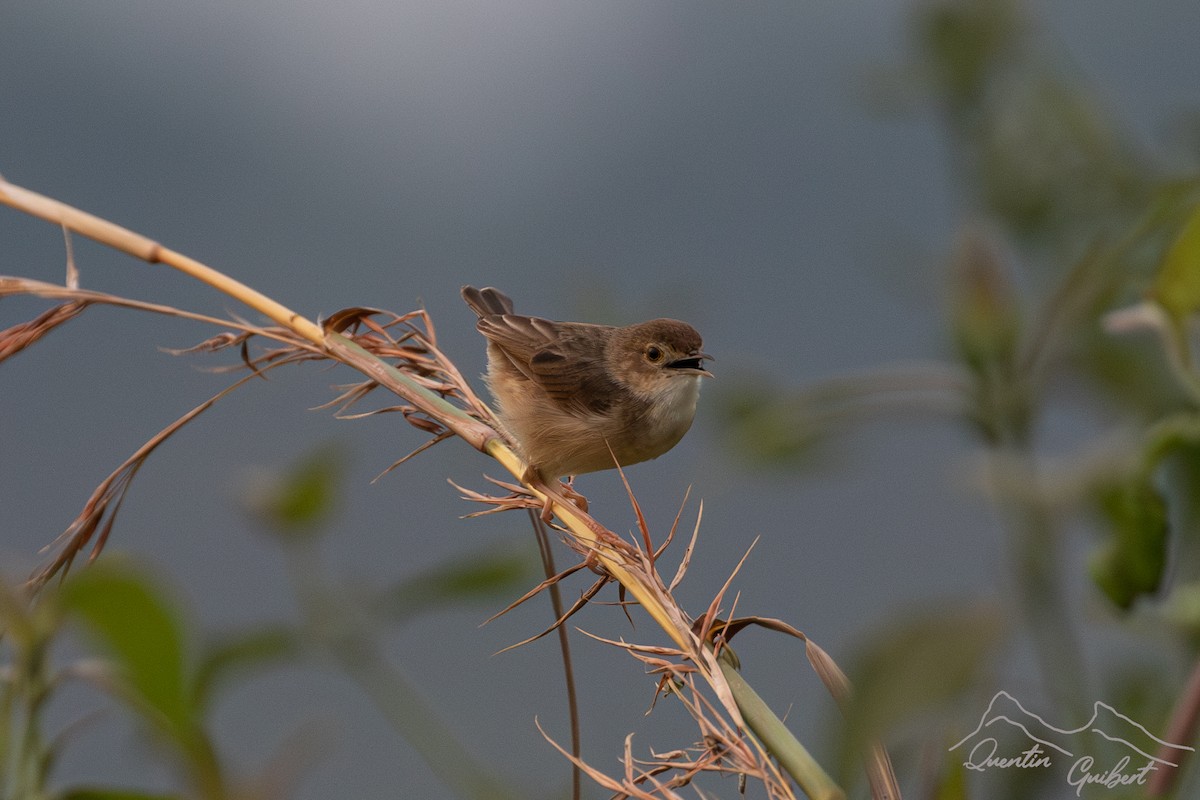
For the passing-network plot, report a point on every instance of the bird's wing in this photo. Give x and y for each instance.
(564, 359)
(518, 338)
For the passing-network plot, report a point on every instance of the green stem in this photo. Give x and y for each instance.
(778, 740)
(1045, 610)
(1037, 567)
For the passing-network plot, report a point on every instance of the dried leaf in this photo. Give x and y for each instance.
(24, 334)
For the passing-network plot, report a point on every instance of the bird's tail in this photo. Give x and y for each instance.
(487, 301)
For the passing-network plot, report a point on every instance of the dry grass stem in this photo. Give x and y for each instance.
(95, 521)
(583, 600)
(721, 749)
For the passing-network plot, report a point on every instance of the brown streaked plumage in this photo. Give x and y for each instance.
(572, 395)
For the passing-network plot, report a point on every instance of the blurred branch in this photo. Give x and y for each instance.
(1181, 728)
(988, 328)
(341, 635)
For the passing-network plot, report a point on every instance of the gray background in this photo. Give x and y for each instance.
(613, 161)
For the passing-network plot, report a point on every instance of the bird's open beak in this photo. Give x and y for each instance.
(692, 364)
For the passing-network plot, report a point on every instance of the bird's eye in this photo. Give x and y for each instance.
(654, 353)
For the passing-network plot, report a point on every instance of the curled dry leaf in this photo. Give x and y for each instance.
(17, 337)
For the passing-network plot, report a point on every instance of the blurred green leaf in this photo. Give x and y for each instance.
(479, 576)
(130, 616)
(259, 648)
(1052, 166)
(1130, 372)
(114, 794)
(1040, 154)
(920, 665)
(952, 783)
(1181, 485)
(1132, 561)
(1182, 608)
(1137, 689)
(965, 42)
(984, 304)
(987, 326)
(1175, 438)
(302, 498)
(768, 429)
(1177, 286)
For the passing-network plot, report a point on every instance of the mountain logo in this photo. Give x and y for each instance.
(1110, 750)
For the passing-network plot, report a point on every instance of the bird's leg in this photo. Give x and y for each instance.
(554, 490)
(575, 497)
(548, 508)
(564, 493)
(533, 477)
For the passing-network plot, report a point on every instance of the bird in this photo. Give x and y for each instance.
(576, 397)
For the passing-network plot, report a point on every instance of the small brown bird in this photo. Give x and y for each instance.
(574, 395)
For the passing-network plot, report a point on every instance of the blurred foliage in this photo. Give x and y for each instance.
(964, 45)
(112, 794)
(1033, 148)
(26, 686)
(140, 628)
(986, 326)
(1177, 285)
(301, 500)
(479, 577)
(892, 673)
(1131, 563)
(771, 426)
(153, 671)
(1077, 268)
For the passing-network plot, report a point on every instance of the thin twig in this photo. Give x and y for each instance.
(564, 646)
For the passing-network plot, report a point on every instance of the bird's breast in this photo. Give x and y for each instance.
(666, 416)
